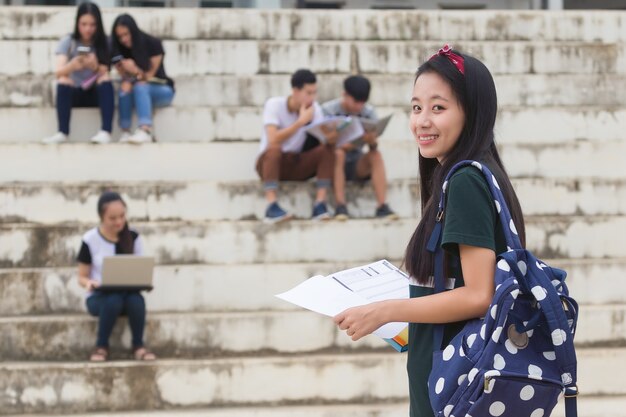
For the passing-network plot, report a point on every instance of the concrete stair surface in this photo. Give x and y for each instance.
(203, 57)
(588, 406)
(217, 242)
(244, 24)
(194, 161)
(227, 346)
(224, 124)
(389, 90)
(217, 288)
(71, 387)
(195, 200)
(65, 337)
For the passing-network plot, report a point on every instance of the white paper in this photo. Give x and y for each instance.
(378, 126)
(323, 295)
(351, 288)
(351, 131)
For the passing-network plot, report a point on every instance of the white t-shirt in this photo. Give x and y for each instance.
(95, 247)
(276, 112)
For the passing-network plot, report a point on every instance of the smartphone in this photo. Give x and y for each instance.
(83, 50)
(116, 59)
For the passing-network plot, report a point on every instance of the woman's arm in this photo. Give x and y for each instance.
(64, 67)
(84, 270)
(468, 302)
(155, 63)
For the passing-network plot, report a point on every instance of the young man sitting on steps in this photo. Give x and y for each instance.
(281, 157)
(351, 163)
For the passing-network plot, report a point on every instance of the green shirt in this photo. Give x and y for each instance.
(470, 219)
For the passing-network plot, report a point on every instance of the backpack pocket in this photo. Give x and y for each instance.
(515, 396)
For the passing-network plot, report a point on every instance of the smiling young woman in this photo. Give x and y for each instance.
(453, 113)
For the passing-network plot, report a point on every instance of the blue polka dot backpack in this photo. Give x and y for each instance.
(519, 358)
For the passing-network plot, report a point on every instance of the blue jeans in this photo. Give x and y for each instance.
(100, 95)
(144, 96)
(108, 306)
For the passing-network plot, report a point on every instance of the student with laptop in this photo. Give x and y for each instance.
(351, 163)
(110, 238)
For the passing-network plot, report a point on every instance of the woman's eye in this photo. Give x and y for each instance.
(438, 108)
(415, 107)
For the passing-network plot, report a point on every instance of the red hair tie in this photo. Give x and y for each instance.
(456, 60)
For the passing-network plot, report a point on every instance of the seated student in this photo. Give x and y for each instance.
(281, 155)
(82, 74)
(144, 82)
(111, 237)
(350, 161)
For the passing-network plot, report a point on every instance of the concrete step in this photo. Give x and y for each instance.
(554, 125)
(217, 288)
(614, 406)
(411, 25)
(176, 335)
(227, 162)
(396, 409)
(195, 201)
(388, 90)
(306, 379)
(249, 57)
(532, 90)
(26, 245)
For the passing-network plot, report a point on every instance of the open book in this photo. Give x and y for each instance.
(377, 126)
(349, 129)
(332, 294)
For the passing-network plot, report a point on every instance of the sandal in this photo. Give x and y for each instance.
(99, 354)
(143, 354)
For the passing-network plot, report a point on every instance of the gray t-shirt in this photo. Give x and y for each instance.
(67, 46)
(333, 108)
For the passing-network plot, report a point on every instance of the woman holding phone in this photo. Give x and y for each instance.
(82, 74)
(138, 57)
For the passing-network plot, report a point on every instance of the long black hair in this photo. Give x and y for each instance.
(476, 94)
(138, 50)
(125, 242)
(100, 44)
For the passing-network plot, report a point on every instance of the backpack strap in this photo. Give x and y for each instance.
(434, 243)
(552, 307)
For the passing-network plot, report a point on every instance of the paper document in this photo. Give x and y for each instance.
(377, 126)
(354, 287)
(349, 129)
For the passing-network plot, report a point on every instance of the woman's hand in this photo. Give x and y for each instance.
(77, 63)
(90, 61)
(129, 66)
(92, 285)
(361, 321)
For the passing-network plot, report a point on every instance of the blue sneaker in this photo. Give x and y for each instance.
(341, 212)
(320, 212)
(275, 214)
(384, 212)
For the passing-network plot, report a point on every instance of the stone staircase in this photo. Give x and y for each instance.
(227, 346)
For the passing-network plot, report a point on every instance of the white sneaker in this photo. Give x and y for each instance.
(125, 136)
(101, 137)
(58, 137)
(140, 136)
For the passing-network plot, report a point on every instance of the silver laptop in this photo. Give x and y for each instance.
(127, 273)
